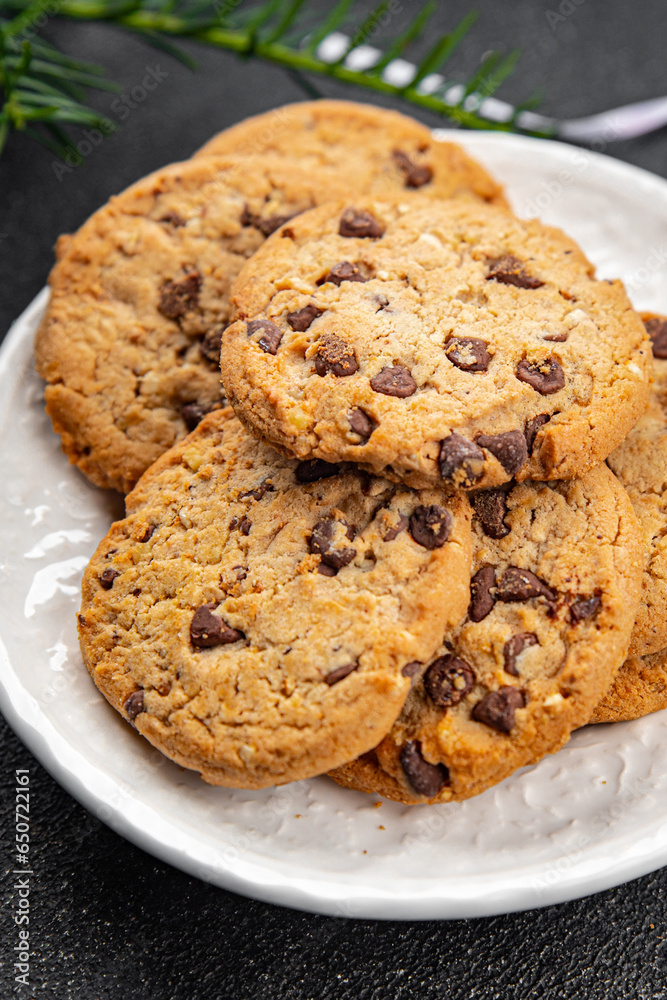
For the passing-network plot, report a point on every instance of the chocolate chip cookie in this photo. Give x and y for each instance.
(554, 592)
(258, 619)
(640, 463)
(639, 688)
(434, 342)
(130, 344)
(394, 151)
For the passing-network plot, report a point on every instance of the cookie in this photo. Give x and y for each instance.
(554, 592)
(640, 462)
(257, 618)
(394, 151)
(434, 342)
(130, 344)
(639, 688)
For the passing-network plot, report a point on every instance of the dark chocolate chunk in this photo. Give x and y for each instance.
(266, 486)
(490, 508)
(323, 542)
(270, 334)
(302, 318)
(532, 428)
(173, 219)
(514, 647)
(545, 376)
(468, 353)
(340, 672)
(509, 448)
(148, 533)
(556, 338)
(657, 331)
(208, 630)
(357, 222)
(426, 779)
(180, 297)
(325, 570)
(209, 347)
(361, 424)
(345, 271)
(335, 356)
(192, 413)
(497, 708)
(584, 607)
(511, 271)
(271, 223)
(430, 526)
(107, 577)
(394, 381)
(134, 705)
(461, 462)
(414, 174)
(520, 585)
(394, 532)
(245, 526)
(411, 669)
(481, 597)
(448, 680)
(315, 468)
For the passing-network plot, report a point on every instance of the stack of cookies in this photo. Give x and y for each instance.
(395, 478)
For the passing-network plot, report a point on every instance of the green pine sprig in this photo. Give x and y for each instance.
(43, 91)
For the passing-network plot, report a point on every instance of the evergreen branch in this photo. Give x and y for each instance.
(40, 84)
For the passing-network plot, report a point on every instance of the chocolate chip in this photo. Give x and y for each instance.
(461, 462)
(509, 448)
(584, 607)
(271, 335)
(411, 669)
(497, 708)
(192, 414)
(394, 381)
(269, 224)
(359, 223)
(180, 297)
(556, 338)
(134, 705)
(107, 577)
(468, 353)
(208, 630)
(481, 596)
(414, 175)
(173, 219)
(315, 468)
(209, 347)
(545, 376)
(234, 523)
(657, 331)
(336, 357)
(325, 570)
(521, 585)
(448, 680)
(245, 526)
(394, 532)
(514, 647)
(511, 271)
(302, 318)
(258, 492)
(430, 526)
(345, 271)
(361, 424)
(532, 428)
(148, 533)
(326, 540)
(490, 508)
(340, 672)
(426, 779)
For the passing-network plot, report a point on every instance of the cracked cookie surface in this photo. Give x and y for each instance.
(434, 342)
(393, 151)
(554, 592)
(257, 618)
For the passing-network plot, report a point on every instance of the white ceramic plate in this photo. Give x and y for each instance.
(588, 818)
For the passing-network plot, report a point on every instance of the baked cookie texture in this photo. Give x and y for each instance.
(434, 342)
(639, 688)
(258, 619)
(640, 462)
(556, 582)
(394, 151)
(130, 344)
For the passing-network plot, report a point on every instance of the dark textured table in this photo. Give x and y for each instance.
(107, 920)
